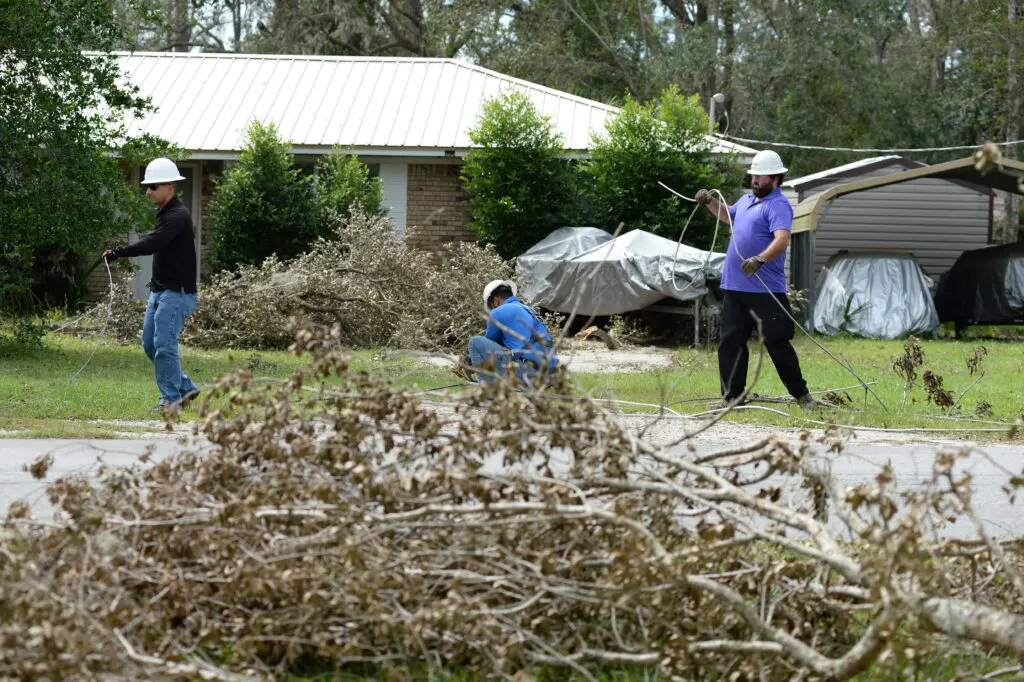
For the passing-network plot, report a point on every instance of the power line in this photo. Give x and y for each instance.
(863, 149)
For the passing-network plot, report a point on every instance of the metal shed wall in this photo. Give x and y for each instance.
(798, 189)
(934, 219)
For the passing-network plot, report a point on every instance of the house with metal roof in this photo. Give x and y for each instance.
(408, 119)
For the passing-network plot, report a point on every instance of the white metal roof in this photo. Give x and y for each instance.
(204, 102)
(845, 168)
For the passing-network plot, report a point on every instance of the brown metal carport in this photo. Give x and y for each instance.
(1006, 176)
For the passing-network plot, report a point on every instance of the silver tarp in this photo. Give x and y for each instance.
(878, 295)
(1015, 283)
(583, 269)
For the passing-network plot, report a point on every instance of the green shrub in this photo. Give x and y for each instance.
(62, 105)
(647, 143)
(264, 205)
(518, 180)
(22, 334)
(345, 183)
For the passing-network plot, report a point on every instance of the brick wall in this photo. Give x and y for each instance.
(437, 210)
(96, 284)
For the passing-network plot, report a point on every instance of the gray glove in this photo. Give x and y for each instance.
(704, 196)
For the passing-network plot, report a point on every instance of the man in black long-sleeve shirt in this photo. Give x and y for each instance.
(173, 286)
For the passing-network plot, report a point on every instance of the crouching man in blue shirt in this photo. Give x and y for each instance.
(516, 342)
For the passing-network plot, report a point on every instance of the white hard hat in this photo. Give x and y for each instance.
(494, 284)
(160, 171)
(766, 162)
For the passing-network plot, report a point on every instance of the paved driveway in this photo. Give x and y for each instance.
(860, 463)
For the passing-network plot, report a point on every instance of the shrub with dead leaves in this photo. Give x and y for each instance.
(337, 519)
(118, 317)
(364, 279)
(244, 308)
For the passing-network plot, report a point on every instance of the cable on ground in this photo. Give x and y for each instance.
(99, 342)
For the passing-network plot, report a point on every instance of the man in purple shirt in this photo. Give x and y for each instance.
(754, 276)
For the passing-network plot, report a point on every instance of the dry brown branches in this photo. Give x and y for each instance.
(352, 523)
(365, 279)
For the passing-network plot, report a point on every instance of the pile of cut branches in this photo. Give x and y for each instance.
(364, 279)
(347, 521)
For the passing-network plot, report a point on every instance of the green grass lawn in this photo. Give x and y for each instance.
(117, 384)
(696, 376)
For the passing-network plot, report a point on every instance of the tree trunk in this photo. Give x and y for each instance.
(915, 18)
(1012, 120)
(680, 10)
(405, 19)
(728, 49)
(236, 24)
(181, 40)
(967, 620)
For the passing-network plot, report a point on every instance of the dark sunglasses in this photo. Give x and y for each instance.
(154, 185)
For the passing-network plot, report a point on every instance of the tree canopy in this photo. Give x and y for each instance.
(60, 112)
(518, 182)
(661, 141)
(848, 73)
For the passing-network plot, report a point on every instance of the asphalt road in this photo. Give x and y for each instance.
(69, 457)
(861, 463)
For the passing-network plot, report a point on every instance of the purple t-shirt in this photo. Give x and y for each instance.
(753, 222)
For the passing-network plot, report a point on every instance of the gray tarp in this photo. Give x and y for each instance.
(1015, 283)
(878, 295)
(584, 269)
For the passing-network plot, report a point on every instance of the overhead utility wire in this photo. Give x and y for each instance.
(863, 149)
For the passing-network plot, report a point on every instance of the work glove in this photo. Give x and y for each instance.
(704, 196)
(751, 265)
(111, 255)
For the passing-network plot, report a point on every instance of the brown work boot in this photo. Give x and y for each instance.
(727, 402)
(809, 402)
(188, 398)
(463, 369)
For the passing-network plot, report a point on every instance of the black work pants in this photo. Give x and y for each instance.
(741, 313)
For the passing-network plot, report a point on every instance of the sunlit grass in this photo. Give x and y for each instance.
(692, 385)
(118, 385)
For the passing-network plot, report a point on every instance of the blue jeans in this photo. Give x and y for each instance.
(166, 312)
(483, 350)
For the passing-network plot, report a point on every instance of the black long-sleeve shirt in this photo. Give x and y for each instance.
(172, 245)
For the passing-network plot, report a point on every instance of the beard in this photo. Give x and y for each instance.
(761, 191)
